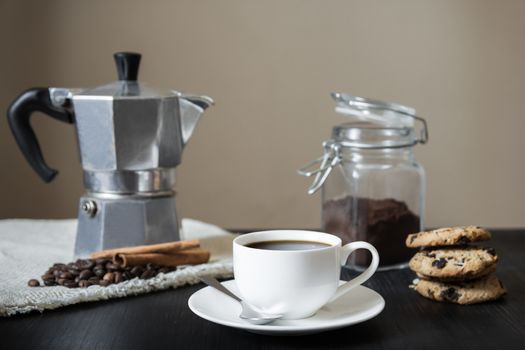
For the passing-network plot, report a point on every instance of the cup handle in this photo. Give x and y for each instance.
(348, 249)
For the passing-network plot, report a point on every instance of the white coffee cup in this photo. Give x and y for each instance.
(294, 283)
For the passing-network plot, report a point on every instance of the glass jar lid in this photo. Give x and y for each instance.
(374, 111)
(379, 125)
(376, 124)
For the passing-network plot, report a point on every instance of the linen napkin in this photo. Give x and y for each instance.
(28, 247)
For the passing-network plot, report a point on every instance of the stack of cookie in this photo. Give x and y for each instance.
(449, 269)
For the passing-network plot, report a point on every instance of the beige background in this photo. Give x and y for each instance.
(270, 66)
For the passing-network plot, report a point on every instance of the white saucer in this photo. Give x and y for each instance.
(358, 305)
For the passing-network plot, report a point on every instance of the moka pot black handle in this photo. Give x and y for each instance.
(19, 115)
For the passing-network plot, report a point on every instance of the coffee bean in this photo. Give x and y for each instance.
(99, 273)
(84, 284)
(85, 264)
(72, 266)
(33, 283)
(85, 274)
(112, 267)
(48, 277)
(118, 277)
(137, 271)
(70, 284)
(104, 283)
(50, 283)
(74, 272)
(150, 266)
(147, 274)
(101, 261)
(66, 275)
(110, 277)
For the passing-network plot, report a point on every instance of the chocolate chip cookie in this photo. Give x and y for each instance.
(485, 289)
(454, 264)
(447, 236)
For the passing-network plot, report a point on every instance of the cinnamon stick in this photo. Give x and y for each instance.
(191, 256)
(161, 248)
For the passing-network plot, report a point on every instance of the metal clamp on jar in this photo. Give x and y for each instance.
(372, 187)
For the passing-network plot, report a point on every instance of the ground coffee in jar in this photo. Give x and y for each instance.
(384, 223)
(373, 189)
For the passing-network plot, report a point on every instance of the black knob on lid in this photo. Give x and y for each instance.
(127, 65)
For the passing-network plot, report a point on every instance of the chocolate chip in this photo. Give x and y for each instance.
(33, 283)
(463, 240)
(413, 238)
(491, 251)
(431, 255)
(450, 294)
(439, 263)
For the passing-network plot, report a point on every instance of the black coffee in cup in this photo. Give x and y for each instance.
(288, 245)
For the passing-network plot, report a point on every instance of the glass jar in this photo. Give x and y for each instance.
(373, 189)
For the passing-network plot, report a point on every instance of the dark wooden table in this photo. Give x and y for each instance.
(163, 320)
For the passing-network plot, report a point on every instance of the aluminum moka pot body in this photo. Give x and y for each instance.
(131, 137)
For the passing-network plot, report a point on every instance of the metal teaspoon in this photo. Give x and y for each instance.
(248, 312)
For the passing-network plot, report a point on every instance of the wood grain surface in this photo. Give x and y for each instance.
(163, 320)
